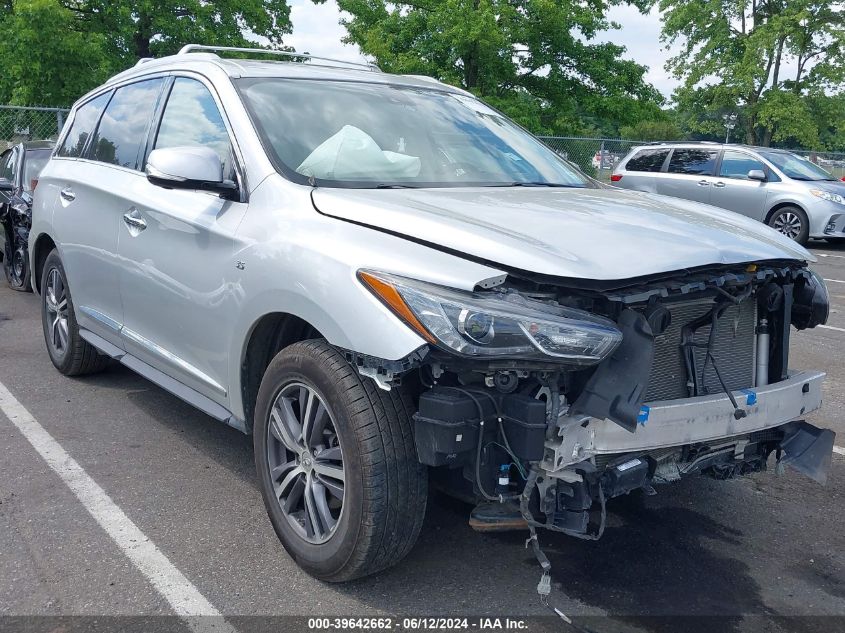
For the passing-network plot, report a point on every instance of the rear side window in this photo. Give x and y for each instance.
(123, 128)
(697, 162)
(647, 160)
(84, 120)
(737, 165)
(191, 118)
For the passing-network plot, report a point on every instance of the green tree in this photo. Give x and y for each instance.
(734, 56)
(53, 51)
(534, 59)
(149, 28)
(650, 130)
(44, 58)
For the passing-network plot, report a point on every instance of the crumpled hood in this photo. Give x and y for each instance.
(599, 234)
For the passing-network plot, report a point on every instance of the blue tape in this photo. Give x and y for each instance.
(750, 396)
(642, 418)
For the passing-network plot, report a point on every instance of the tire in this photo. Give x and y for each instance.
(71, 354)
(792, 222)
(16, 267)
(384, 488)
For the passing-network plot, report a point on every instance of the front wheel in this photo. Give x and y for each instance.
(792, 222)
(336, 464)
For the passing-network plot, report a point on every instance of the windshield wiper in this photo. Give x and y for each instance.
(394, 186)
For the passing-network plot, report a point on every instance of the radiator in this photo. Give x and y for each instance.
(734, 351)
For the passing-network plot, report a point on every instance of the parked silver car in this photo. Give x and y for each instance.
(387, 282)
(782, 189)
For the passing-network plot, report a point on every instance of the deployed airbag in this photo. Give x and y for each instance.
(352, 154)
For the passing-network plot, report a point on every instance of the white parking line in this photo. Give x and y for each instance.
(829, 255)
(185, 599)
(835, 281)
(831, 327)
(838, 449)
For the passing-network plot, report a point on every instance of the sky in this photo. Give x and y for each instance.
(316, 30)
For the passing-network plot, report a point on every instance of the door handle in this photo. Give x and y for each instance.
(67, 194)
(719, 184)
(703, 183)
(134, 220)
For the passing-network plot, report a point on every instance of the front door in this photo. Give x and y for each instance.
(179, 298)
(734, 190)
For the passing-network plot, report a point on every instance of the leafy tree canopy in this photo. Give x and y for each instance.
(775, 62)
(534, 59)
(652, 130)
(53, 51)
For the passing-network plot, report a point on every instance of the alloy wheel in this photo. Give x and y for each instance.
(306, 462)
(55, 301)
(789, 224)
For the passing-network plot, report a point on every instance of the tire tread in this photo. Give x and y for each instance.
(396, 486)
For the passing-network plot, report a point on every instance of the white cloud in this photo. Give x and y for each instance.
(640, 35)
(317, 30)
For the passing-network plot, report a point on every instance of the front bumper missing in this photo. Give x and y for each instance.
(687, 421)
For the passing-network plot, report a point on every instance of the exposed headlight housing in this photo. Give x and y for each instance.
(827, 195)
(811, 302)
(495, 324)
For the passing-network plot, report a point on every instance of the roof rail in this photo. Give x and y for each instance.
(144, 60)
(190, 48)
(685, 143)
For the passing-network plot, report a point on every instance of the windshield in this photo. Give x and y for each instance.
(796, 167)
(345, 134)
(36, 159)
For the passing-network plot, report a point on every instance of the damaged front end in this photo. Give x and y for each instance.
(544, 399)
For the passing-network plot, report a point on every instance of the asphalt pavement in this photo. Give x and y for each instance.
(765, 552)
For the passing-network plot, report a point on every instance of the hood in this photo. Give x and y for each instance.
(833, 186)
(598, 234)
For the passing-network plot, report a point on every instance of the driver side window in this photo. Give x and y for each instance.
(736, 165)
(191, 118)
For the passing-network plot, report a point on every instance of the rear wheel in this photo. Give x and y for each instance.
(71, 354)
(336, 463)
(16, 265)
(792, 222)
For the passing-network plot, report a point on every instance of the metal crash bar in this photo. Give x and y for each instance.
(191, 48)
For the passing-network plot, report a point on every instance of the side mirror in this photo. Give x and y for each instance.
(6, 185)
(757, 174)
(196, 168)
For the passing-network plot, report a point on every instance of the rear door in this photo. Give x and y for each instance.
(178, 282)
(689, 174)
(95, 187)
(733, 190)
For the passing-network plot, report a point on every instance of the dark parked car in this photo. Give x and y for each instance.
(19, 169)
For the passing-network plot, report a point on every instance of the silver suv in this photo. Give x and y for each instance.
(780, 188)
(388, 283)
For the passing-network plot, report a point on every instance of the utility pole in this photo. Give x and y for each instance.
(730, 123)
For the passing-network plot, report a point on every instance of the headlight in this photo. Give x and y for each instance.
(827, 195)
(811, 302)
(495, 324)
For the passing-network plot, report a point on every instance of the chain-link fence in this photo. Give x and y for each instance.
(20, 123)
(594, 156)
(597, 157)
